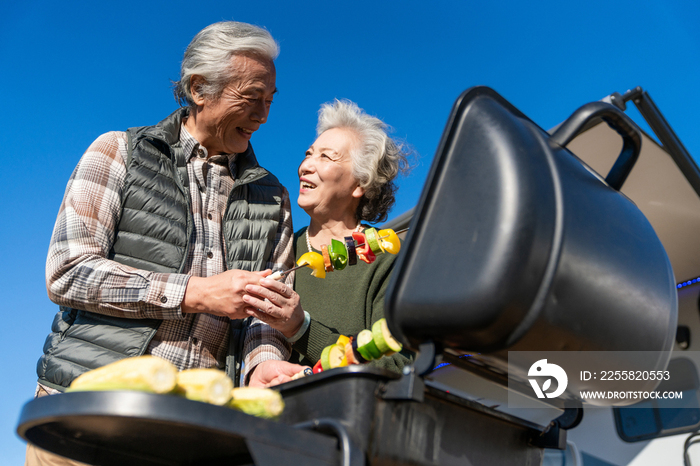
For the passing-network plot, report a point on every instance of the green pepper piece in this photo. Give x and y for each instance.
(339, 254)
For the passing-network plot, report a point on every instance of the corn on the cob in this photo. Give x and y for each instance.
(208, 385)
(260, 402)
(142, 373)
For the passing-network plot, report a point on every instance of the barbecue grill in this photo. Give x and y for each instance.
(515, 245)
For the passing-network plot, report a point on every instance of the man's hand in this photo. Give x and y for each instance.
(270, 373)
(276, 304)
(221, 294)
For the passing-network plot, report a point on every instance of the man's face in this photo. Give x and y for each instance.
(227, 124)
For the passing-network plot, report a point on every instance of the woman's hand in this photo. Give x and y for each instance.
(276, 304)
(221, 295)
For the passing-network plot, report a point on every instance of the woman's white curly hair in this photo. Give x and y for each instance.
(376, 160)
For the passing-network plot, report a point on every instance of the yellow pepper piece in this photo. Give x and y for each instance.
(314, 261)
(389, 240)
(342, 340)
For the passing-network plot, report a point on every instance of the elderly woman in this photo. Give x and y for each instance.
(346, 177)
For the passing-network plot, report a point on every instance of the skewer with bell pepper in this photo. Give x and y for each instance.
(362, 348)
(371, 243)
(365, 246)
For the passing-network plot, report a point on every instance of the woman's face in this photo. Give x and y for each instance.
(327, 188)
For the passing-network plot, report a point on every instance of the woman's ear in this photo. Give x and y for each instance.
(358, 192)
(196, 82)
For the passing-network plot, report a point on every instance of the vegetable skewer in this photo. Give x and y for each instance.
(359, 349)
(340, 254)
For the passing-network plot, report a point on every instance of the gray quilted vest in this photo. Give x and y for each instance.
(155, 236)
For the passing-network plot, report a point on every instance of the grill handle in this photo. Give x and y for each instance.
(350, 455)
(624, 126)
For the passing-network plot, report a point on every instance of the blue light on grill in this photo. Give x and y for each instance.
(447, 363)
(688, 283)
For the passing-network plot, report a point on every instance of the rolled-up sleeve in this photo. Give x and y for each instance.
(78, 271)
(263, 343)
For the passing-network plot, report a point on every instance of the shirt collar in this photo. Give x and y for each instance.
(192, 148)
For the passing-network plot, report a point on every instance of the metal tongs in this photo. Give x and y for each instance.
(280, 274)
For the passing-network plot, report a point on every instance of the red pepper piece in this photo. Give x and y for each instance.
(317, 367)
(364, 252)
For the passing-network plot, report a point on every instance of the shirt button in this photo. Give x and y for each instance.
(210, 254)
(200, 152)
(210, 216)
(195, 341)
(163, 299)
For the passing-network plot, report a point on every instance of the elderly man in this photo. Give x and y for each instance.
(162, 227)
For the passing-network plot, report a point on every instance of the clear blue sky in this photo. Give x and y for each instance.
(72, 70)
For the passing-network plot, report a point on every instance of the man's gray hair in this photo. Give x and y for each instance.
(376, 160)
(209, 55)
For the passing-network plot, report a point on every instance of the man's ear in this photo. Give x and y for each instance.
(196, 82)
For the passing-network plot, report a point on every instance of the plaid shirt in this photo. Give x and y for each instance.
(79, 275)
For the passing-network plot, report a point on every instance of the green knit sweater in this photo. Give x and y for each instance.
(345, 302)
